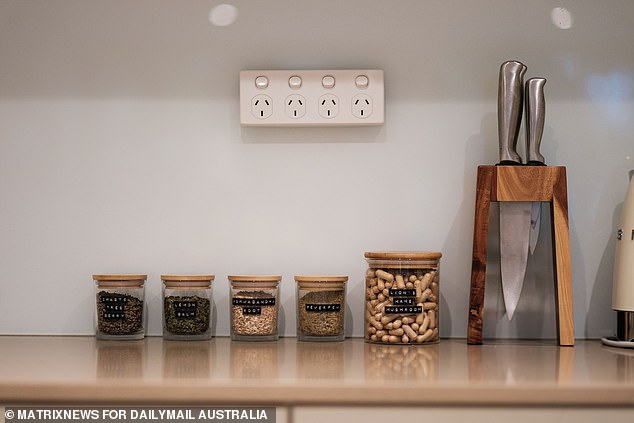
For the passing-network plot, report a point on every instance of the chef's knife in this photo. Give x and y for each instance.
(535, 114)
(510, 110)
(515, 217)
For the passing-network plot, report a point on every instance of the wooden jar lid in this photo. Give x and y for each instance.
(254, 281)
(182, 281)
(403, 255)
(120, 280)
(321, 282)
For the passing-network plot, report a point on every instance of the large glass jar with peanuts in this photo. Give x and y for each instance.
(254, 307)
(402, 296)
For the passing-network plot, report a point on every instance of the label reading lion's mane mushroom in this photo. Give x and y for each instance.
(397, 292)
(403, 301)
(403, 309)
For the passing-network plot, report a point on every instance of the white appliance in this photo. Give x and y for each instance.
(623, 283)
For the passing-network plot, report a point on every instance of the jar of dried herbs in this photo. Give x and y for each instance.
(254, 307)
(321, 303)
(187, 307)
(120, 306)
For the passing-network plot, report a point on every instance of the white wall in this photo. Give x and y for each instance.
(121, 149)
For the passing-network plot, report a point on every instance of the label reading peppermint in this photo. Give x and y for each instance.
(322, 308)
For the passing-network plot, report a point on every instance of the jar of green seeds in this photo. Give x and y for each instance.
(187, 307)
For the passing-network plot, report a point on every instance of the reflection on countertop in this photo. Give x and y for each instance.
(187, 359)
(254, 360)
(401, 362)
(36, 367)
(120, 359)
(320, 360)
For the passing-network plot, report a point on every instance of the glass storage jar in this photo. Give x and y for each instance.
(187, 307)
(402, 296)
(321, 303)
(120, 306)
(254, 307)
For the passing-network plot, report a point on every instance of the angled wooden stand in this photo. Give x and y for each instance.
(523, 183)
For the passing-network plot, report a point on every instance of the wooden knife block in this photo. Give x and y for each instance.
(523, 183)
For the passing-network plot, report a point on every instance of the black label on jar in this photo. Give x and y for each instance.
(254, 302)
(114, 307)
(403, 310)
(322, 308)
(398, 292)
(185, 309)
(404, 301)
(251, 311)
(113, 315)
(114, 299)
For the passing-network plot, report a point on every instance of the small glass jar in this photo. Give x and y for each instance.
(321, 303)
(402, 296)
(254, 307)
(120, 306)
(187, 307)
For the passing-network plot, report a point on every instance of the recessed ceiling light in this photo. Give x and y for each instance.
(223, 14)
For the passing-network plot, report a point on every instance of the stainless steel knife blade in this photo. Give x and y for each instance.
(535, 116)
(514, 216)
(536, 223)
(515, 227)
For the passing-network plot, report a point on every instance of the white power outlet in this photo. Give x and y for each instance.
(362, 106)
(351, 97)
(262, 106)
(295, 106)
(328, 106)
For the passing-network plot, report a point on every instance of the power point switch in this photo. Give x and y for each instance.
(361, 82)
(328, 81)
(262, 82)
(295, 82)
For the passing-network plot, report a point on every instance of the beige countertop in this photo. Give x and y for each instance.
(81, 370)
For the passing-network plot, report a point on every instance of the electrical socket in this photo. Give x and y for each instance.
(312, 97)
(262, 106)
(362, 106)
(328, 106)
(295, 106)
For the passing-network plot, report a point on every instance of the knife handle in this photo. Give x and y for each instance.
(535, 116)
(510, 106)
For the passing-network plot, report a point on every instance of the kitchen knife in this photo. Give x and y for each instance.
(510, 110)
(535, 114)
(515, 217)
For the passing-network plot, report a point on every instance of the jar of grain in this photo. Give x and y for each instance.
(254, 307)
(402, 296)
(120, 306)
(187, 307)
(321, 303)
